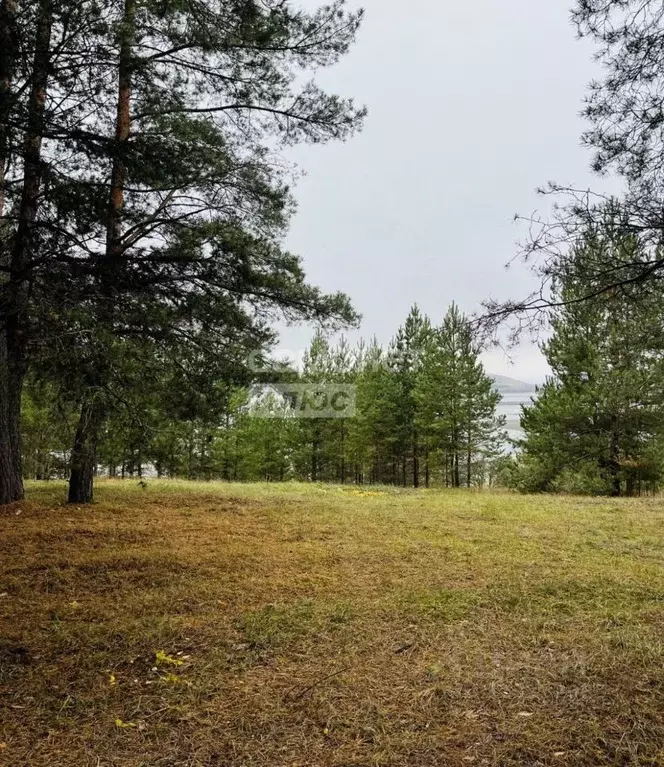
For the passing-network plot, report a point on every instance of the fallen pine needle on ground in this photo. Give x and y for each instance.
(193, 625)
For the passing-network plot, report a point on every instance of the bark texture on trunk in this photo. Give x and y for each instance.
(8, 47)
(93, 411)
(11, 378)
(84, 453)
(11, 481)
(15, 252)
(122, 133)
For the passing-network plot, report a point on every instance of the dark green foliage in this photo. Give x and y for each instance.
(456, 403)
(625, 106)
(144, 200)
(424, 406)
(47, 430)
(596, 425)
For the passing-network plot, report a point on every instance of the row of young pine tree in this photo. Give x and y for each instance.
(425, 415)
(426, 411)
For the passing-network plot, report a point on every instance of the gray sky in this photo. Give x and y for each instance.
(471, 107)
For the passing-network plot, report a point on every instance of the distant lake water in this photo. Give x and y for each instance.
(510, 407)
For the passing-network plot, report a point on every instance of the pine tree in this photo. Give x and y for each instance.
(372, 440)
(166, 199)
(456, 401)
(405, 356)
(596, 423)
(199, 90)
(141, 186)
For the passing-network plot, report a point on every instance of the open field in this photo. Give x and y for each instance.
(209, 625)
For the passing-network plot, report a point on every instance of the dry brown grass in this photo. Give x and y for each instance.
(325, 626)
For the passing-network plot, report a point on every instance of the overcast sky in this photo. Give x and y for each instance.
(471, 107)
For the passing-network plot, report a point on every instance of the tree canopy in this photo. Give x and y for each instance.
(144, 196)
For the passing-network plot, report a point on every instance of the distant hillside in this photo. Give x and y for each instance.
(506, 385)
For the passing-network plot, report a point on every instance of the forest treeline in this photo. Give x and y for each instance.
(425, 414)
(144, 204)
(425, 409)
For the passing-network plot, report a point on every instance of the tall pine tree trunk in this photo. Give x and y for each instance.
(614, 459)
(630, 485)
(80, 485)
(122, 133)
(314, 458)
(11, 480)
(11, 380)
(15, 254)
(84, 454)
(8, 45)
(416, 462)
(469, 460)
(190, 453)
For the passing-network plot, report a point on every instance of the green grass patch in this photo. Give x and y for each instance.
(329, 626)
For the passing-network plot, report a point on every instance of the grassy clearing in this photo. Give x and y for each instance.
(200, 625)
